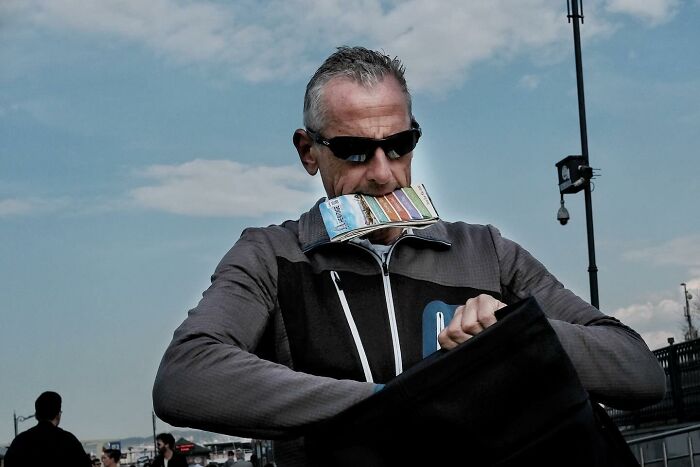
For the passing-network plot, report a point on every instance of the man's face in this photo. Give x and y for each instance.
(354, 110)
(107, 461)
(162, 447)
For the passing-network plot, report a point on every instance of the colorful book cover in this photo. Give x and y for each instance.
(349, 216)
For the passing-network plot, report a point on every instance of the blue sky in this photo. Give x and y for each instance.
(137, 140)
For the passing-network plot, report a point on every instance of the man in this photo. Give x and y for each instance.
(240, 459)
(111, 457)
(231, 459)
(295, 329)
(167, 455)
(46, 440)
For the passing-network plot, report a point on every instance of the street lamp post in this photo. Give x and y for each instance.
(153, 420)
(575, 172)
(691, 333)
(18, 419)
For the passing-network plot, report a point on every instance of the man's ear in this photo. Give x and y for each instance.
(304, 143)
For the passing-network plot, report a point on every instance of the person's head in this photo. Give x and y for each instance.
(239, 454)
(361, 94)
(111, 457)
(165, 442)
(354, 64)
(47, 407)
(230, 453)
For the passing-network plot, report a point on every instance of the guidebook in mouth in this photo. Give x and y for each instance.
(354, 215)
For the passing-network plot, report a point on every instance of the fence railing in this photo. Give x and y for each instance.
(681, 404)
(670, 448)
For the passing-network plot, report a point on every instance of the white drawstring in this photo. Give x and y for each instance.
(335, 278)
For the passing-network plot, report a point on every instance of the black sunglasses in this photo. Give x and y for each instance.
(359, 149)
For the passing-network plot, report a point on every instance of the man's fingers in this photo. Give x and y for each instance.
(473, 312)
(445, 342)
(470, 319)
(453, 334)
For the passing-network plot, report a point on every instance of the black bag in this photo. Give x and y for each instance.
(508, 397)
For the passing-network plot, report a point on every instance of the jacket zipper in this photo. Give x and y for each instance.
(353, 327)
(384, 264)
(389, 298)
(391, 311)
(398, 360)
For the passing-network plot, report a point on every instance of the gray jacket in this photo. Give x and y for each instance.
(294, 328)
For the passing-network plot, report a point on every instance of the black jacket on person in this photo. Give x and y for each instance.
(46, 444)
(178, 460)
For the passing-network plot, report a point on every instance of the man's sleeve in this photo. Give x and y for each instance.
(612, 361)
(210, 377)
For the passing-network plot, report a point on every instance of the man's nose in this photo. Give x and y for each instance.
(379, 168)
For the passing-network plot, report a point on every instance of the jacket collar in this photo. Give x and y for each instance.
(312, 231)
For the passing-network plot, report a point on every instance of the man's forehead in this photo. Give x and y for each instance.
(344, 91)
(351, 104)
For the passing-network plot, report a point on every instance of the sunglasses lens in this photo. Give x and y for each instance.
(356, 149)
(401, 144)
(351, 148)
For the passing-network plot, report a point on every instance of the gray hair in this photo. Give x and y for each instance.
(360, 65)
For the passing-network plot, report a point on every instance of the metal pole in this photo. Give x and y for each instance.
(153, 419)
(592, 268)
(19, 419)
(690, 451)
(691, 334)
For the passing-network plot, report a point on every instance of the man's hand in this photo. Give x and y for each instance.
(469, 320)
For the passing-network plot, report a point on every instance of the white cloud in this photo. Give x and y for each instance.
(652, 11)
(682, 251)
(655, 322)
(192, 31)
(658, 319)
(27, 206)
(439, 40)
(226, 188)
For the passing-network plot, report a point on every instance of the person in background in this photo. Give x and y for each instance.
(296, 328)
(240, 459)
(111, 457)
(167, 455)
(46, 440)
(231, 459)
